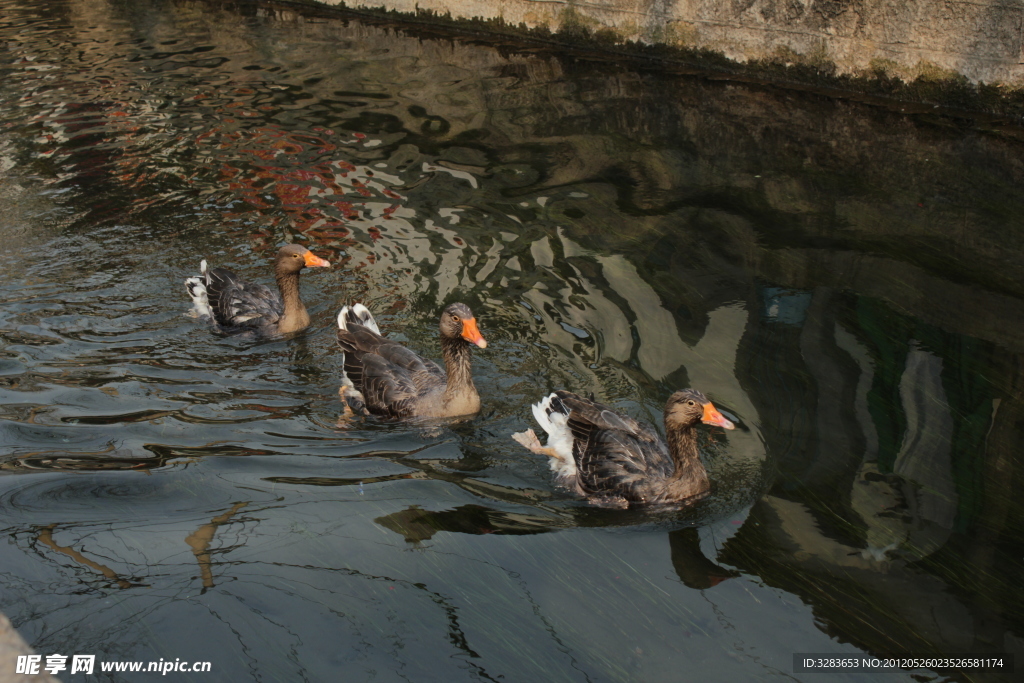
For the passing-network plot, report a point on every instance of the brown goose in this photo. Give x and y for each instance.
(382, 377)
(616, 460)
(235, 305)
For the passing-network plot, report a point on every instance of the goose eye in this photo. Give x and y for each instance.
(690, 403)
(295, 256)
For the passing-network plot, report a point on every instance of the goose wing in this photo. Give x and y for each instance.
(390, 376)
(425, 375)
(236, 302)
(590, 414)
(614, 462)
(614, 453)
(357, 341)
(387, 388)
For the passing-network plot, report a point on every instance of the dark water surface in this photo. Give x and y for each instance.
(847, 282)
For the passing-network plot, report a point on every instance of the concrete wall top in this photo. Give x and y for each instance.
(978, 39)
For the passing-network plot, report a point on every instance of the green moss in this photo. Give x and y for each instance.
(575, 27)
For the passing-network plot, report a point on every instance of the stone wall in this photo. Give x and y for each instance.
(11, 647)
(979, 40)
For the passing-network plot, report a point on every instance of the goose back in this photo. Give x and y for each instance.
(238, 303)
(383, 377)
(391, 378)
(614, 454)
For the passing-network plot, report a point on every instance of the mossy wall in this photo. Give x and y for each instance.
(976, 42)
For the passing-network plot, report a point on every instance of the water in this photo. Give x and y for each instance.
(844, 280)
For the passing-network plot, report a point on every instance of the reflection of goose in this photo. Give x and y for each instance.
(385, 378)
(416, 524)
(236, 305)
(691, 564)
(617, 460)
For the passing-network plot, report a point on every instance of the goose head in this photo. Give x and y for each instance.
(292, 258)
(688, 407)
(457, 322)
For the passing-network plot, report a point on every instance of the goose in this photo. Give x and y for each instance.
(382, 377)
(235, 305)
(617, 461)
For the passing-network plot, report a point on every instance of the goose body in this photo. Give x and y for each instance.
(235, 305)
(382, 377)
(613, 459)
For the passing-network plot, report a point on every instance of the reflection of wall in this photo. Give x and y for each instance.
(925, 455)
(797, 188)
(18, 202)
(637, 214)
(895, 491)
(882, 607)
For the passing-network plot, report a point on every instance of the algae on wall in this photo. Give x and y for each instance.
(942, 49)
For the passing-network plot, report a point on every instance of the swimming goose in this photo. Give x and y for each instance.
(616, 460)
(235, 305)
(382, 377)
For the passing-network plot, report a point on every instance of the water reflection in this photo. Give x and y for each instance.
(46, 538)
(692, 566)
(199, 541)
(417, 525)
(845, 281)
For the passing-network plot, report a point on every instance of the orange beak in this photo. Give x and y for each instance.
(713, 417)
(471, 334)
(314, 260)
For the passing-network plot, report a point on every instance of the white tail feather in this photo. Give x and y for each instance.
(560, 438)
(200, 299)
(359, 315)
(342, 318)
(540, 413)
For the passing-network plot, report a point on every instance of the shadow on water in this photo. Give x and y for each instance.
(843, 281)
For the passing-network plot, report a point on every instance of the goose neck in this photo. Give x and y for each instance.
(457, 363)
(295, 316)
(682, 445)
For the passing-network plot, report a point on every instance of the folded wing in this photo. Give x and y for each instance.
(238, 303)
(390, 377)
(614, 453)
